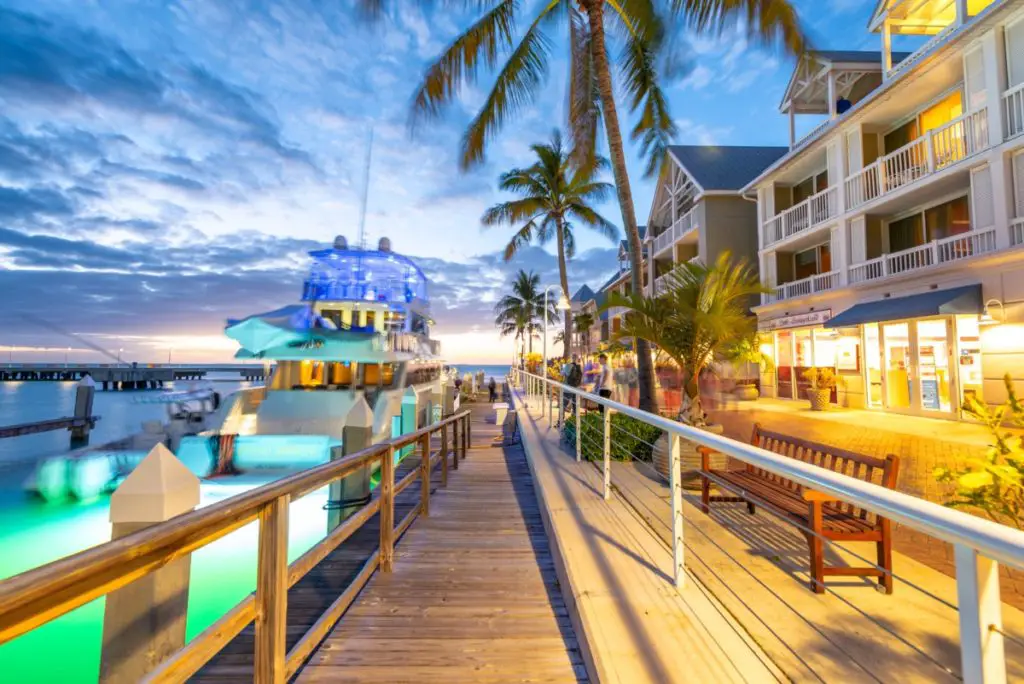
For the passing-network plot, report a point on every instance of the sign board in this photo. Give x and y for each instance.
(810, 319)
(930, 394)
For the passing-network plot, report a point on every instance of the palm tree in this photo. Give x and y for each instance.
(583, 321)
(703, 314)
(638, 27)
(552, 194)
(520, 313)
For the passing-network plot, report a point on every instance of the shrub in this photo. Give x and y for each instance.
(631, 438)
(994, 484)
(820, 378)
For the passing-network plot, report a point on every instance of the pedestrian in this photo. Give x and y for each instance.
(604, 378)
(573, 378)
(492, 390)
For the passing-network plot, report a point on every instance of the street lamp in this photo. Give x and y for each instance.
(563, 305)
(169, 351)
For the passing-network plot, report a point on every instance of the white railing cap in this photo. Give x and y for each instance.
(998, 542)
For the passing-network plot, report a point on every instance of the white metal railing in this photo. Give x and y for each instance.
(1017, 231)
(812, 212)
(682, 225)
(936, 150)
(805, 286)
(1013, 109)
(936, 252)
(979, 544)
(814, 132)
(660, 285)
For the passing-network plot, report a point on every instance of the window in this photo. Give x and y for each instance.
(803, 190)
(805, 264)
(946, 220)
(896, 139)
(905, 233)
(942, 112)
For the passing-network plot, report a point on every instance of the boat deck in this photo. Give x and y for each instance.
(473, 595)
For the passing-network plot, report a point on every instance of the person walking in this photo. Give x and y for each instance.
(604, 378)
(492, 390)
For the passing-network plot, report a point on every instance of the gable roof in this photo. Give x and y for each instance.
(584, 294)
(856, 56)
(724, 168)
(624, 244)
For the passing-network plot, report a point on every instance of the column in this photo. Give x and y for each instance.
(792, 126)
(886, 50)
(832, 95)
(993, 51)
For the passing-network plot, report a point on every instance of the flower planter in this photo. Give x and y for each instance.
(746, 392)
(689, 458)
(819, 398)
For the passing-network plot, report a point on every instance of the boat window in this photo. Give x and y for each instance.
(311, 374)
(371, 374)
(341, 375)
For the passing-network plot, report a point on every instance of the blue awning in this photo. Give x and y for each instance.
(957, 300)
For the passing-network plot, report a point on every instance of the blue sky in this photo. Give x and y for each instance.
(166, 165)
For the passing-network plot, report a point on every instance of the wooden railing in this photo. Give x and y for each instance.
(38, 596)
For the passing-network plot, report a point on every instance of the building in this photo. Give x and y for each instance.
(698, 211)
(890, 236)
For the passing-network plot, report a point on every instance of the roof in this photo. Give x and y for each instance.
(724, 168)
(584, 294)
(857, 56)
(624, 244)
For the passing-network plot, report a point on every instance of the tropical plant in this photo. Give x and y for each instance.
(993, 484)
(582, 323)
(696, 319)
(820, 378)
(634, 439)
(521, 312)
(638, 27)
(553, 196)
(747, 352)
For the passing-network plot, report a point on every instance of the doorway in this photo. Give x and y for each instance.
(914, 365)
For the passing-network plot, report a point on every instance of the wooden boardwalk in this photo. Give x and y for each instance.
(473, 596)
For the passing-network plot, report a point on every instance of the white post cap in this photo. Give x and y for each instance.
(159, 488)
(360, 415)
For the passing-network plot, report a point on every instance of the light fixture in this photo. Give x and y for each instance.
(986, 317)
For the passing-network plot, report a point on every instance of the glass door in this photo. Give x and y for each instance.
(917, 373)
(933, 377)
(897, 365)
(873, 365)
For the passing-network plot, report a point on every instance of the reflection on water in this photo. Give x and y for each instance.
(222, 574)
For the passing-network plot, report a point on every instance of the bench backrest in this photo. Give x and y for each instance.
(880, 471)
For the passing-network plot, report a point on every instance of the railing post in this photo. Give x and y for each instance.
(982, 651)
(935, 253)
(455, 444)
(425, 475)
(607, 452)
(561, 405)
(469, 436)
(930, 145)
(579, 429)
(387, 509)
(272, 593)
(444, 455)
(676, 487)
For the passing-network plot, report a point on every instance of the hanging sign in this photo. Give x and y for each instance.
(810, 319)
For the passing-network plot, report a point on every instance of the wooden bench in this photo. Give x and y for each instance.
(819, 516)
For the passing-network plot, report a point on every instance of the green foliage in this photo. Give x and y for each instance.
(994, 484)
(820, 378)
(631, 438)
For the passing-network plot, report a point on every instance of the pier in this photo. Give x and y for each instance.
(125, 376)
(502, 553)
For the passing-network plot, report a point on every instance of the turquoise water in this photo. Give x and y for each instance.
(497, 371)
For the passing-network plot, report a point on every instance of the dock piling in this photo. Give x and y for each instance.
(351, 492)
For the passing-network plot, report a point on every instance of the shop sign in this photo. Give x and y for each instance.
(809, 319)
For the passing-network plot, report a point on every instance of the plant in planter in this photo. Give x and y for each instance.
(823, 381)
(746, 353)
(632, 439)
(700, 315)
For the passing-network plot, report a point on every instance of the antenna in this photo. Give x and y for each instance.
(366, 192)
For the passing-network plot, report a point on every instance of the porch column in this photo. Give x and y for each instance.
(837, 245)
(961, 12)
(792, 126)
(993, 49)
(886, 50)
(832, 113)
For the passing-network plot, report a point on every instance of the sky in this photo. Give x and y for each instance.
(165, 166)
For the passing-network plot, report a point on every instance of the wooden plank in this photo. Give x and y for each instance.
(272, 592)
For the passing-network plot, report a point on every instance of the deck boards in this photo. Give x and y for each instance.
(473, 596)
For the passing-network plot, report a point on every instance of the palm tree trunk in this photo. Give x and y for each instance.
(595, 16)
(564, 276)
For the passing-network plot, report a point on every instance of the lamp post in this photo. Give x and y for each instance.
(170, 350)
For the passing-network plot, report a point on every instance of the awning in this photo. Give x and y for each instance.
(957, 300)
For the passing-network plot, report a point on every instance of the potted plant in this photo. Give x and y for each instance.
(823, 381)
(747, 353)
(697, 319)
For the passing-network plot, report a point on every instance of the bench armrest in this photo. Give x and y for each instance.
(705, 457)
(811, 495)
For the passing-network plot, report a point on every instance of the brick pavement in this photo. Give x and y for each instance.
(922, 445)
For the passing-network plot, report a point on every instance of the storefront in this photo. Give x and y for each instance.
(918, 355)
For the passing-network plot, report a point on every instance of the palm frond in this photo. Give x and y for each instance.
(654, 128)
(518, 81)
(594, 220)
(772, 23)
(512, 212)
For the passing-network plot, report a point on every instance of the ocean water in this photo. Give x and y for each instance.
(497, 371)
(120, 413)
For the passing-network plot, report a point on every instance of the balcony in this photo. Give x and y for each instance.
(812, 212)
(1013, 110)
(938, 149)
(820, 282)
(660, 285)
(682, 227)
(926, 256)
(1017, 231)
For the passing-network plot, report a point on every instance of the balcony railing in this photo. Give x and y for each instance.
(800, 288)
(938, 149)
(1017, 231)
(936, 252)
(1013, 108)
(812, 212)
(683, 225)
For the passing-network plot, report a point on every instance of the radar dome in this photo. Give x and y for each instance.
(384, 245)
(340, 242)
